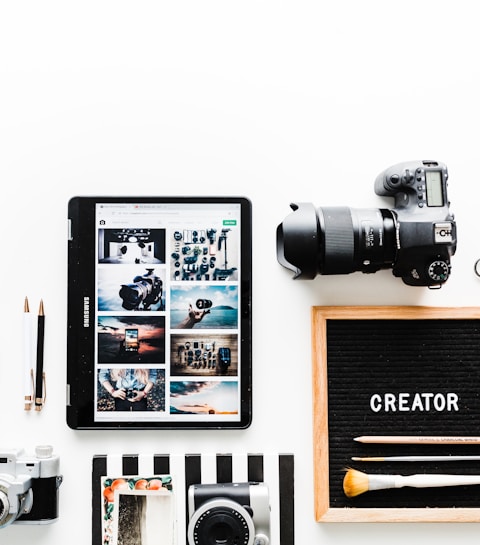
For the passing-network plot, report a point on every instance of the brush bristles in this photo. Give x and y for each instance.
(355, 483)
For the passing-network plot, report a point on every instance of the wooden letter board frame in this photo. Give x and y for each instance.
(335, 507)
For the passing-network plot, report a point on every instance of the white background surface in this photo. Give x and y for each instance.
(278, 101)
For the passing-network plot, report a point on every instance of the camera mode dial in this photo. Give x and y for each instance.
(439, 271)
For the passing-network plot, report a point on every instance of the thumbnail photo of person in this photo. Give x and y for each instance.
(131, 389)
(203, 398)
(204, 306)
(131, 246)
(131, 339)
(131, 288)
(205, 253)
(204, 355)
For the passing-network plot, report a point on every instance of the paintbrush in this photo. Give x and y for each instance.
(416, 458)
(356, 482)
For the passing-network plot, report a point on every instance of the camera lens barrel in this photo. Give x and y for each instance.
(4, 508)
(336, 240)
(357, 239)
(203, 304)
(338, 237)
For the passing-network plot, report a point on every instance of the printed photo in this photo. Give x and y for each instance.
(204, 398)
(128, 389)
(204, 307)
(206, 253)
(131, 288)
(131, 246)
(131, 339)
(137, 510)
(203, 355)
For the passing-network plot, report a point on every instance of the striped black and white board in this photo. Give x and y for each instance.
(275, 470)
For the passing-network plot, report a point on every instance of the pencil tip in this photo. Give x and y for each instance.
(26, 307)
(41, 312)
(357, 438)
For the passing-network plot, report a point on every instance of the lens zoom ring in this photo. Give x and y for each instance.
(339, 245)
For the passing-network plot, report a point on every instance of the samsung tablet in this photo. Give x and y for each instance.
(159, 312)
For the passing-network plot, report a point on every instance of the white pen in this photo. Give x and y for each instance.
(27, 356)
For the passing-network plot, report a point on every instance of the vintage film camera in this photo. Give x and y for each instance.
(416, 239)
(229, 513)
(29, 486)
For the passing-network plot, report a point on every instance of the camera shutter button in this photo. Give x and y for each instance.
(261, 539)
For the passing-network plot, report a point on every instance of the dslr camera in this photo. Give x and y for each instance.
(416, 238)
(145, 290)
(29, 486)
(229, 513)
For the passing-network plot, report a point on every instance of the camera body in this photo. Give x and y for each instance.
(416, 238)
(229, 513)
(29, 486)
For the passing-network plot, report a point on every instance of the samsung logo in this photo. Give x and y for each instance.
(86, 312)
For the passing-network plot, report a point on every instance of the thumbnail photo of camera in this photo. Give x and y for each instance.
(131, 389)
(229, 513)
(199, 306)
(415, 239)
(204, 355)
(131, 339)
(131, 246)
(131, 288)
(29, 486)
(205, 254)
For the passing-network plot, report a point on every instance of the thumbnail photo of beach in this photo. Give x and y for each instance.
(202, 306)
(132, 288)
(204, 354)
(131, 246)
(204, 398)
(131, 339)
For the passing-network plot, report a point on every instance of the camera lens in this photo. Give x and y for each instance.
(133, 294)
(335, 240)
(222, 525)
(4, 508)
(203, 303)
(221, 533)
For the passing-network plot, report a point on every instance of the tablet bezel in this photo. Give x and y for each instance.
(82, 261)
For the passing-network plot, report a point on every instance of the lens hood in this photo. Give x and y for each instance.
(298, 241)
